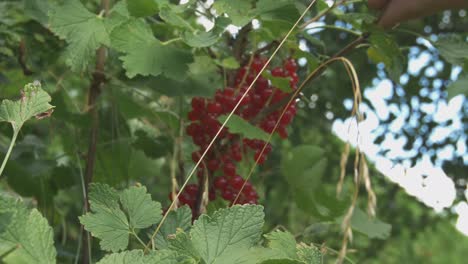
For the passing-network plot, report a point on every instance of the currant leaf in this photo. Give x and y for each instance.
(460, 86)
(240, 11)
(179, 219)
(238, 125)
(373, 228)
(145, 55)
(453, 48)
(84, 31)
(141, 210)
(108, 221)
(27, 232)
(283, 242)
(227, 231)
(34, 101)
(384, 49)
(138, 257)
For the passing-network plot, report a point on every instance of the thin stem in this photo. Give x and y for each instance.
(416, 34)
(10, 148)
(337, 28)
(138, 238)
(333, 251)
(170, 41)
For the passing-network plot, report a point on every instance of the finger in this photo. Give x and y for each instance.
(399, 11)
(377, 4)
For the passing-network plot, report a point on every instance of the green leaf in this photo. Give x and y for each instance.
(282, 261)
(460, 86)
(304, 164)
(109, 223)
(37, 9)
(229, 63)
(384, 49)
(373, 228)
(133, 256)
(281, 83)
(182, 244)
(34, 102)
(282, 242)
(153, 147)
(307, 164)
(181, 218)
(453, 48)
(357, 19)
(200, 39)
(191, 86)
(203, 65)
(206, 39)
(145, 55)
(171, 16)
(27, 231)
(202, 80)
(103, 197)
(117, 16)
(283, 10)
(240, 12)
(142, 8)
(227, 231)
(238, 125)
(83, 31)
(309, 254)
(141, 210)
(138, 257)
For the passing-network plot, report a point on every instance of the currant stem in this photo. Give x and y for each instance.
(10, 148)
(138, 238)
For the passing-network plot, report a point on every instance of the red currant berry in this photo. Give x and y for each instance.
(198, 103)
(290, 65)
(192, 189)
(260, 159)
(227, 195)
(213, 165)
(277, 72)
(236, 182)
(220, 182)
(214, 108)
(229, 169)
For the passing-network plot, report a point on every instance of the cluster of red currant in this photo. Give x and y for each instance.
(219, 165)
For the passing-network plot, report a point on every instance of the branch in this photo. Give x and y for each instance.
(22, 58)
(238, 49)
(268, 47)
(93, 93)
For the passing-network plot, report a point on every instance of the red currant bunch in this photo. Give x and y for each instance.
(220, 162)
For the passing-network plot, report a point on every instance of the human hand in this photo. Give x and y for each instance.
(396, 11)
